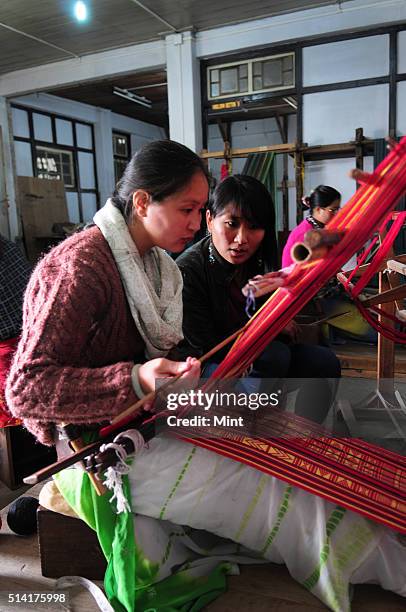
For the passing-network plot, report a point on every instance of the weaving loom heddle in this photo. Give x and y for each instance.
(352, 473)
(380, 492)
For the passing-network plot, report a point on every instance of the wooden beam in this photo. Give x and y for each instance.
(342, 147)
(390, 295)
(281, 148)
(299, 163)
(359, 150)
(400, 259)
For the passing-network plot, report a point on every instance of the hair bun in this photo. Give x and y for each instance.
(306, 202)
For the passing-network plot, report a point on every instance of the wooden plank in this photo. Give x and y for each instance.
(401, 259)
(386, 348)
(281, 148)
(42, 203)
(395, 265)
(390, 295)
(6, 459)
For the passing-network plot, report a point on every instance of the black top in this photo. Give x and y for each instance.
(213, 305)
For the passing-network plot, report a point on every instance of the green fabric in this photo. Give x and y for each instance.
(130, 577)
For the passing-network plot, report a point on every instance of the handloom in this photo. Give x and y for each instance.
(354, 474)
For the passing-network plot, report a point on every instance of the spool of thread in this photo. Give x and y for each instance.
(22, 516)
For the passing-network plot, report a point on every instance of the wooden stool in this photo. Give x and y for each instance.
(68, 547)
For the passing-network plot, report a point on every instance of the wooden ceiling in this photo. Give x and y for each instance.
(150, 85)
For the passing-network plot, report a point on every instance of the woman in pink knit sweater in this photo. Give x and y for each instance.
(103, 309)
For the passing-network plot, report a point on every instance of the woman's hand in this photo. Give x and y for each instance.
(152, 370)
(263, 284)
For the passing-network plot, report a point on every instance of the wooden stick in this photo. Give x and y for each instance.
(97, 484)
(137, 407)
(77, 445)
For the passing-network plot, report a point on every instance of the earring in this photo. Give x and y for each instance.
(260, 261)
(211, 256)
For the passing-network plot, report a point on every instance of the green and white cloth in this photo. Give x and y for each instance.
(196, 514)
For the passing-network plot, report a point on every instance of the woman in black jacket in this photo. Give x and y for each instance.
(241, 244)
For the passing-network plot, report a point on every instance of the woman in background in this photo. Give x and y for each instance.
(346, 321)
(324, 203)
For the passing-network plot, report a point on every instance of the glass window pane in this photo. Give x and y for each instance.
(257, 68)
(23, 158)
(288, 78)
(333, 116)
(89, 206)
(215, 90)
(243, 85)
(257, 83)
(402, 51)
(288, 62)
(331, 172)
(54, 164)
(73, 206)
(42, 127)
(86, 170)
(120, 145)
(119, 167)
(243, 70)
(64, 132)
(229, 80)
(214, 77)
(84, 136)
(20, 123)
(346, 60)
(272, 73)
(401, 105)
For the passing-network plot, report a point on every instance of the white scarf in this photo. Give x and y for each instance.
(152, 284)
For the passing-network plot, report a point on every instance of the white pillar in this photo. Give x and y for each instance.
(9, 217)
(103, 135)
(184, 102)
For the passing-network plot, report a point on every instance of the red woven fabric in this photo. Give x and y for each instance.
(355, 474)
(7, 350)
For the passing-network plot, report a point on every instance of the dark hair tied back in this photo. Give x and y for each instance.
(160, 168)
(323, 196)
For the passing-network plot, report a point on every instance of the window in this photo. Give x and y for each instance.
(273, 73)
(55, 164)
(251, 76)
(121, 154)
(54, 147)
(229, 80)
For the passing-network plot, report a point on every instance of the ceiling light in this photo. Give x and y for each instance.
(80, 11)
(129, 95)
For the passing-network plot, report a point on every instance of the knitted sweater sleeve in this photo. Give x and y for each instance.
(63, 304)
